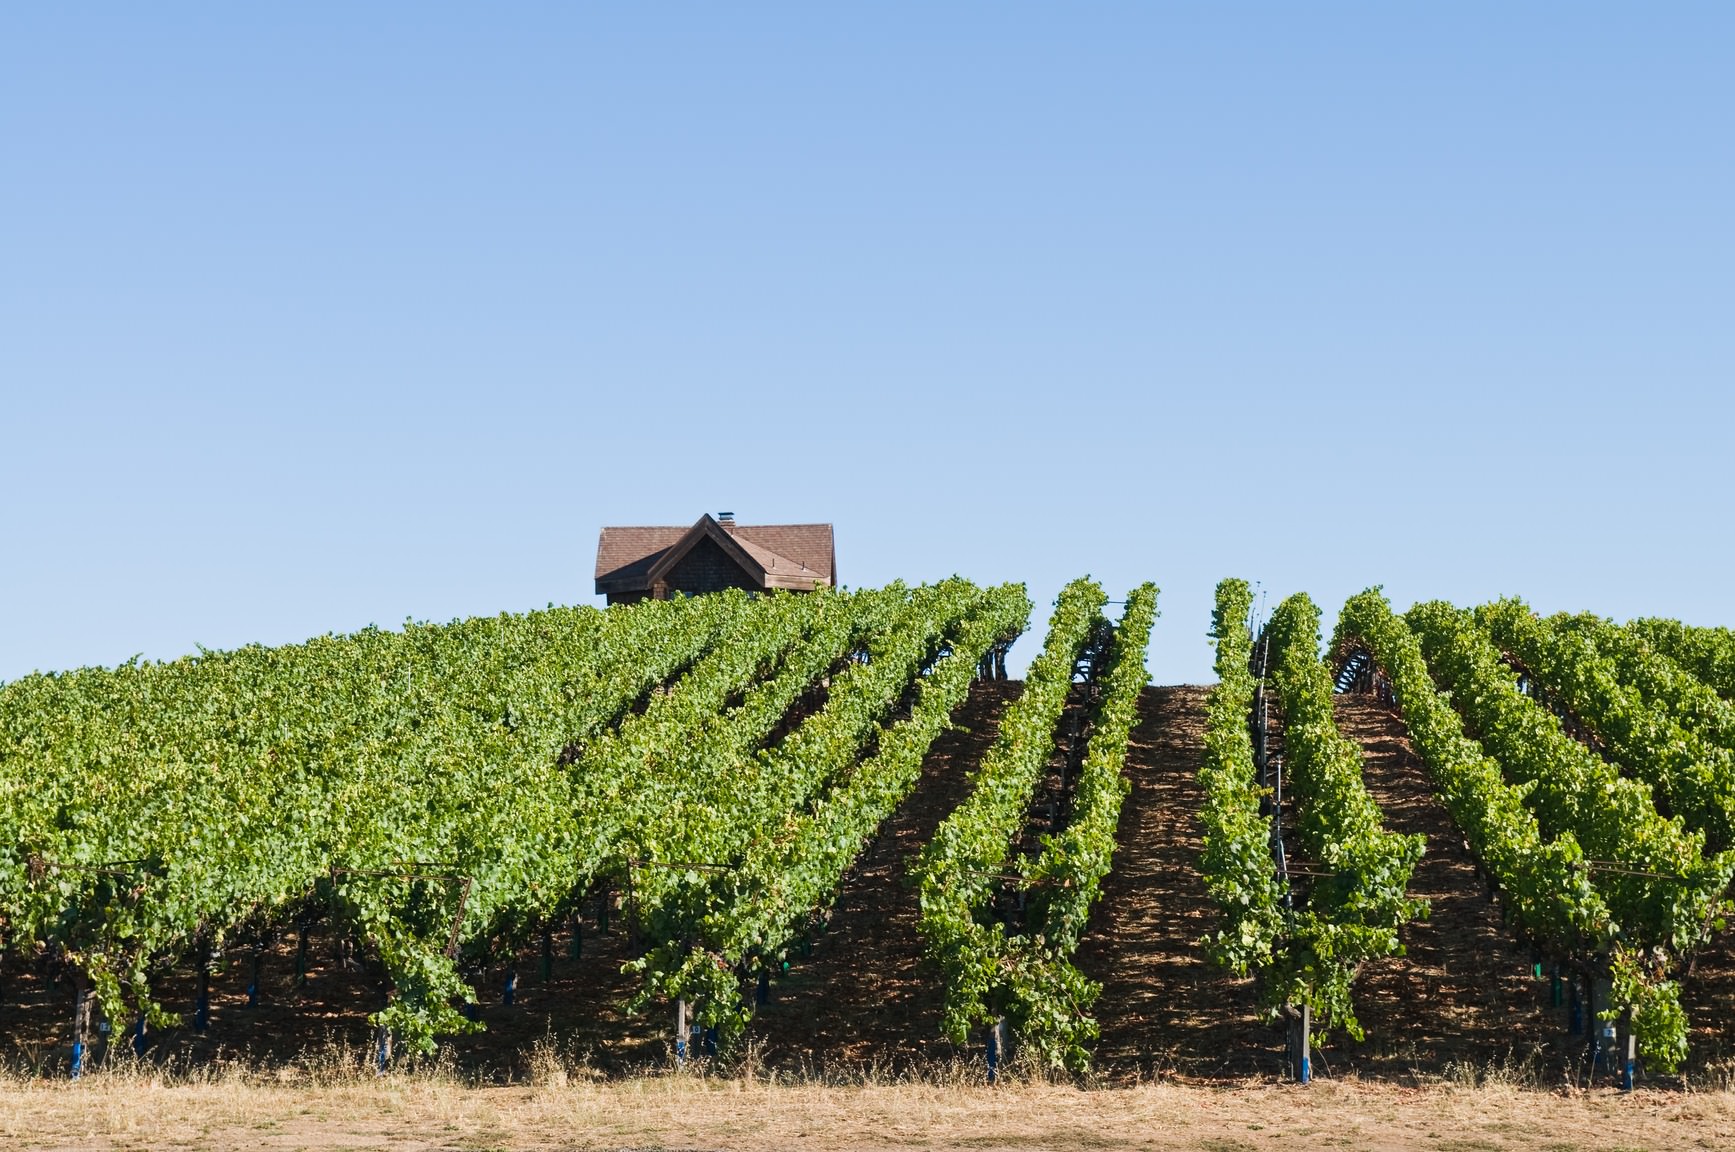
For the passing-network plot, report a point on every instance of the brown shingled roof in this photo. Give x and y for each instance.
(793, 555)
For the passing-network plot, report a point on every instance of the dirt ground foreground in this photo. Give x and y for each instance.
(689, 1112)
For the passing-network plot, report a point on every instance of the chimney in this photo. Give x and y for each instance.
(726, 520)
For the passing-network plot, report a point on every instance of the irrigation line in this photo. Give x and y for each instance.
(689, 865)
(1619, 869)
(38, 865)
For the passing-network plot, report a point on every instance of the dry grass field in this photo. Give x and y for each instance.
(223, 1111)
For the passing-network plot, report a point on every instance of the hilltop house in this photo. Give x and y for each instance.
(654, 563)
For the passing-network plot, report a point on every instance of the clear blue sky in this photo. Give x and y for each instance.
(319, 315)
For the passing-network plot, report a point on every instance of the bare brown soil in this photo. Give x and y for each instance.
(1164, 1008)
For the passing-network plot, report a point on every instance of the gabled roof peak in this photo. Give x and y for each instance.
(631, 559)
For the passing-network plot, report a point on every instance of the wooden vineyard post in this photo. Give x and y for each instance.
(547, 953)
(1301, 1043)
(575, 946)
(681, 1032)
(81, 1012)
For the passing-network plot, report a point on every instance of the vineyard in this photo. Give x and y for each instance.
(828, 829)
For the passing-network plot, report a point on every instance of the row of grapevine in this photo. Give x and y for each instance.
(1050, 997)
(1531, 813)
(153, 809)
(529, 851)
(722, 795)
(655, 785)
(1028, 979)
(1543, 882)
(1239, 870)
(962, 867)
(1660, 886)
(737, 920)
(1593, 670)
(1358, 902)
(1708, 653)
(443, 791)
(1660, 681)
(444, 794)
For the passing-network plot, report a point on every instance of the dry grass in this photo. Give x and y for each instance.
(330, 1101)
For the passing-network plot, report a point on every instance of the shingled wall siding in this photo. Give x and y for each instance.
(707, 569)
